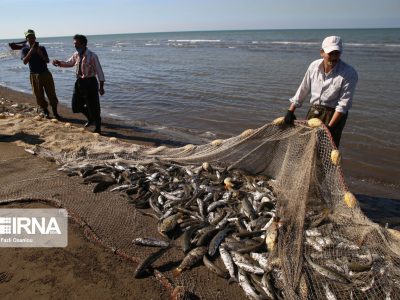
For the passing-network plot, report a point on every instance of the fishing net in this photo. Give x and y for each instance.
(325, 248)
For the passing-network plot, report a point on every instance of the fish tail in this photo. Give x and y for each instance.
(232, 280)
(176, 272)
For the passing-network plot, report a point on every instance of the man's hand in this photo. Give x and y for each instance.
(101, 89)
(290, 117)
(56, 62)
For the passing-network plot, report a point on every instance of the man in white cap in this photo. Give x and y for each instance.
(331, 84)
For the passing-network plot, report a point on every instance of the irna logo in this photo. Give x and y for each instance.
(33, 227)
(29, 225)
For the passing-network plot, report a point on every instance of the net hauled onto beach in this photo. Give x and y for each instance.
(324, 247)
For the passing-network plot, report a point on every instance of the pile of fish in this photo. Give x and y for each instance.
(228, 220)
(362, 272)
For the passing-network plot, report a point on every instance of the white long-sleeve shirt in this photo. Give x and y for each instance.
(335, 89)
(90, 65)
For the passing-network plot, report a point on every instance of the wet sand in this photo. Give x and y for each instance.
(85, 269)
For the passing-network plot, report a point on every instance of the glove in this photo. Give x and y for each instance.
(290, 117)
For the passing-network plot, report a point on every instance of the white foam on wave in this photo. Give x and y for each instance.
(194, 41)
(293, 43)
(371, 45)
(51, 43)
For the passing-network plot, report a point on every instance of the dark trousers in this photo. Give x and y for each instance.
(325, 114)
(85, 99)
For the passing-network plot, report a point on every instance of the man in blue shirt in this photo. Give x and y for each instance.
(40, 77)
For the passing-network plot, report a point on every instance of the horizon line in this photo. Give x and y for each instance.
(215, 30)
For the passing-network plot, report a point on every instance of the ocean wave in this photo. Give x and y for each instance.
(8, 54)
(372, 45)
(51, 43)
(194, 41)
(293, 43)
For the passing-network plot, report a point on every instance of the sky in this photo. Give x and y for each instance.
(66, 17)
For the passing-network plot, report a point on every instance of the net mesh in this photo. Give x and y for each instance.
(326, 247)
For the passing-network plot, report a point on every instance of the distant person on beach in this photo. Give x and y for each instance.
(331, 83)
(40, 77)
(85, 98)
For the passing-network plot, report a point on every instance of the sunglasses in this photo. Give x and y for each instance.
(334, 53)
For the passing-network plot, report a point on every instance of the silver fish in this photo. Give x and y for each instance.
(213, 268)
(190, 259)
(247, 286)
(328, 293)
(245, 264)
(261, 258)
(151, 242)
(228, 262)
(331, 274)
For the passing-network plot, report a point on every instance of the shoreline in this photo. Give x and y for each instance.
(149, 137)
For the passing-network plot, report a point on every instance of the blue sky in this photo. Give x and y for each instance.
(67, 17)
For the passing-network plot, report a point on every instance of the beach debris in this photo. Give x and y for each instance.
(38, 118)
(335, 157)
(113, 140)
(3, 116)
(19, 116)
(314, 122)
(54, 120)
(68, 125)
(30, 151)
(350, 199)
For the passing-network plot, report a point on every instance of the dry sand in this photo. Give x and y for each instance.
(85, 269)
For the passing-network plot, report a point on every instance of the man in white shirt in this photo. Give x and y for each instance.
(331, 84)
(85, 98)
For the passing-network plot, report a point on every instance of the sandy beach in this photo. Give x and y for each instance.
(86, 269)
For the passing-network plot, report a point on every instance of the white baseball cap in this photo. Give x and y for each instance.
(332, 43)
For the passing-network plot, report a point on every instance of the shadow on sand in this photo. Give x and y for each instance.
(21, 136)
(130, 133)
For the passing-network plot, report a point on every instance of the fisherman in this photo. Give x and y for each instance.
(85, 98)
(40, 77)
(331, 83)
